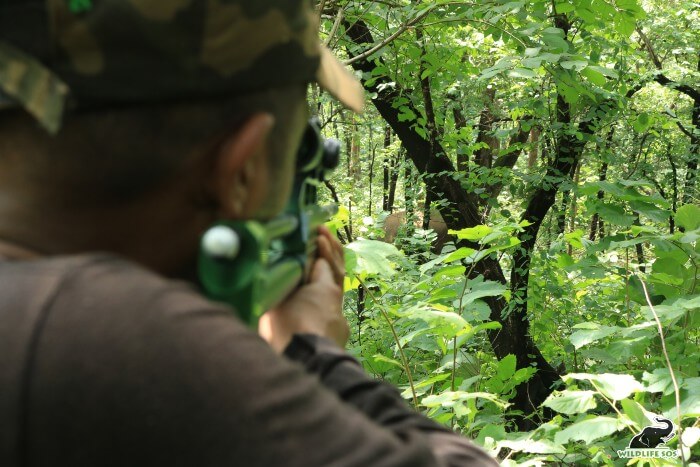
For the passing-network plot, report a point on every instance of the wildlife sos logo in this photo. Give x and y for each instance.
(650, 442)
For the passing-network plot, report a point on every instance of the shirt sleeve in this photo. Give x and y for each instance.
(128, 371)
(381, 402)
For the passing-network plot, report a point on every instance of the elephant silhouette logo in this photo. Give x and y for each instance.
(652, 436)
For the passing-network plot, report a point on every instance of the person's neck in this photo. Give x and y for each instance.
(160, 234)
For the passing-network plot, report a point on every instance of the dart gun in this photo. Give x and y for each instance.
(253, 266)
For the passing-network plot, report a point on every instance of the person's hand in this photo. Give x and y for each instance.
(315, 308)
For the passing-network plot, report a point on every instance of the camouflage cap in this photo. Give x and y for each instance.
(86, 53)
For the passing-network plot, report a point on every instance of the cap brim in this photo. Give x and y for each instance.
(335, 78)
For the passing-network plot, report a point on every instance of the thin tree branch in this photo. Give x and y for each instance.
(336, 25)
(405, 27)
(650, 49)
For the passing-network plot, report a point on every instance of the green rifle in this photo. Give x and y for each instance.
(254, 266)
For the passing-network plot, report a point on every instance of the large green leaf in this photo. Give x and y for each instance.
(625, 24)
(658, 380)
(594, 76)
(588, 430)
(506, 367)
(636, 413)
(445, 323)
(691, 436)
(592, 333)
(642, 123)
(615, 214)
(612, 386)
(532, 446)
(690, 401)
(472, 233)
(449, 398)
(371, 257)
(571, 402)
(479, 288)
(688, 216)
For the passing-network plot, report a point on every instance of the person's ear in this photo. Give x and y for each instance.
(240, 164)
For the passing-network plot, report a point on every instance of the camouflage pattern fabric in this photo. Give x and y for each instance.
(138, 51)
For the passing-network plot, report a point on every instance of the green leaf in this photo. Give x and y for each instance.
(668, 314)
(453, 256)
(385, 359)
(522, 73)
(406, 115)
(609, 72)
(612, 386)
(371, 257)
(447, 323)
(556, 41)
(625, 24)
(690, 436)
(564, 260)
(449, 398)
(535, 447)
(651, 211)
(587, 15)
(632, 8)
(574, 238)
(571, 94)
(424, 385)
(587, 336)
(642, 123)
(588, 430)
(564, 7)
(635, 412)
(459, 254)
(506, 367)
(571, 402)
(690, 400)
(668, 266)
(577, 65)
(688, 217)
(658, 380)
(594, 76)
(667, 249)
(532, 51)
(495, 432)
(472, 233)
(614, 214)
(468, 333)
(480, 288)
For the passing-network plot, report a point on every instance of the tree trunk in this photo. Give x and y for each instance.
(386, 166)
(690, 194)
(371, 171)
(433, 132)
(460, 122)
(597, 221)
(393, 182)
(334, 195)
(639, 248)
(461, 211)
(674, 201)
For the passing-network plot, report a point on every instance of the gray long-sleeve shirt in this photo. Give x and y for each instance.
(103, 363)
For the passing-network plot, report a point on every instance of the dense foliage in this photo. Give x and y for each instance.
(559, 141)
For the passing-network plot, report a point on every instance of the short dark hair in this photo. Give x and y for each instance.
(112, 156)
